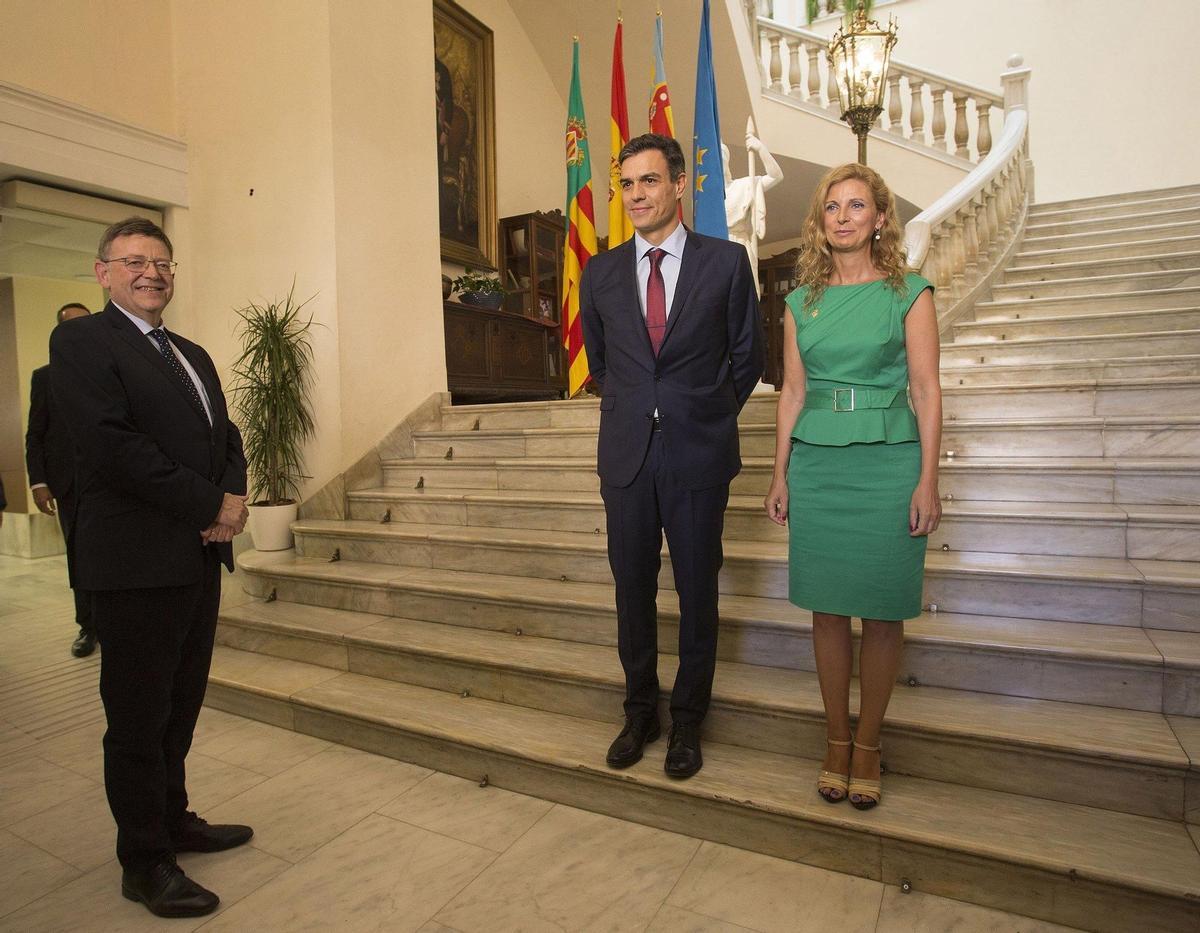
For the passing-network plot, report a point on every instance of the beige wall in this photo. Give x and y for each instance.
(258, 116)
(1112, 96)
(390, 348)
(79, 50)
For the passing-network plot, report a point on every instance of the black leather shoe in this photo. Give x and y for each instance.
(683, 750)
(626, 748)
(84, 645)
(168, 892)
(197, 835)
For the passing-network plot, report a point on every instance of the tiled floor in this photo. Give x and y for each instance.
(346, 840)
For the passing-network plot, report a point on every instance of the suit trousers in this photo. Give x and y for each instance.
(693, 519)
(156, 649)
(83, 599)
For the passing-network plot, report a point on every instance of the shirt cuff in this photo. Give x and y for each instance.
(38, 486)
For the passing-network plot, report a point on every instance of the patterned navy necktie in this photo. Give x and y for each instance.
(160, 337)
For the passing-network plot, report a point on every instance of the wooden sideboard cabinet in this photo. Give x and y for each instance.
(500, 356)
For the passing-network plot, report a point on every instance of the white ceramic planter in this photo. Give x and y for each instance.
(271, 526)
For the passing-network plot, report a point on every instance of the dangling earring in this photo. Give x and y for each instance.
(877, 234)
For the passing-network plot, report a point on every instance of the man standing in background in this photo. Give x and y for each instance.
(50, 460)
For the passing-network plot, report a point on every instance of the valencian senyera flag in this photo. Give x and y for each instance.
(708, 188)
(620, 227)
(581, 231)
(662, 120)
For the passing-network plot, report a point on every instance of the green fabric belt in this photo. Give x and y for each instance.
(854, 399)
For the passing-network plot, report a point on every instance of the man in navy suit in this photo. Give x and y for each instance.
(674, 343)
(50, 460)
(160, 493)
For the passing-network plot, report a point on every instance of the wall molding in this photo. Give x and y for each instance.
(54, 141)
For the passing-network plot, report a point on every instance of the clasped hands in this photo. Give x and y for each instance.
(230, 520)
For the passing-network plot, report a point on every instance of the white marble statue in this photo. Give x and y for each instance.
(745, 201)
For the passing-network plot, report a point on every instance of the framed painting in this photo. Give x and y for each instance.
(466, 136)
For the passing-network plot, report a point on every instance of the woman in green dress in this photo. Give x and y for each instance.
(855, 469)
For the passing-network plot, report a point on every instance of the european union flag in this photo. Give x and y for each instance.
(708, 168)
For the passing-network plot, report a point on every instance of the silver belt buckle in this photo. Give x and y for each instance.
(839, 404)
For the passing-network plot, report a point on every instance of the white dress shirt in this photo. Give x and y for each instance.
(145, 328)
(669, 265)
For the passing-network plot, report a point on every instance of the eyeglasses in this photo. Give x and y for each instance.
(139, 264)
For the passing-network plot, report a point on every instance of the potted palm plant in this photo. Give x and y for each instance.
(272, 380)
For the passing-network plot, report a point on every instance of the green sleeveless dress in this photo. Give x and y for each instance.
(856, 456)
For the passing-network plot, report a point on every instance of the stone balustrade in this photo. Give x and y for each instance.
(963, 240)
(933, 111)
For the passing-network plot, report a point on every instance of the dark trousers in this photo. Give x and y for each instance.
(83, 599)
(156, 648)
(693, 519)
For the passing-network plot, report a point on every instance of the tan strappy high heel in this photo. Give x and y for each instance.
(832, 781)
(869, 792)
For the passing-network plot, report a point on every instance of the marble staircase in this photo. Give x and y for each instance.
(1043, 747)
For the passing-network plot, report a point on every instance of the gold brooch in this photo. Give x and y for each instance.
(814, 312)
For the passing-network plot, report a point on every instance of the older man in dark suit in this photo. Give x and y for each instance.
(160, 490)
(50, 460)
(674, 342)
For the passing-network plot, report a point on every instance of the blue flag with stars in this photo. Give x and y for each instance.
(708, 179)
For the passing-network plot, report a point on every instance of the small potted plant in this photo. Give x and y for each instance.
(479, 289)
(272, 380)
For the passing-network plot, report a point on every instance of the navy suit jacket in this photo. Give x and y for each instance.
(710, 360)
(151, 473)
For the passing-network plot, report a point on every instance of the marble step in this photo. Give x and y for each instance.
(1082, 529)
(1052, 213)
(1162, 395)
(1076, 529)
(1153, 215)
(1095, 302)
(1102, 280)
(995, 325)
(1114, 269)
(959, 373)
(1066, 863)
(1098, 347)
(1112, 591)
(1090, 395)
(1109, 436)
(576, 413)
(1123, 760)
(1121, 666)
(1053, 479)
(1040, 255)
(1125, 236)
(1108, 200)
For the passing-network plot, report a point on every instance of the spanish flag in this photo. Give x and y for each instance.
(620, 228)
(581, 231)
(662, 120)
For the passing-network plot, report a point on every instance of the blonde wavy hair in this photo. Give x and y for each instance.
(815, 264)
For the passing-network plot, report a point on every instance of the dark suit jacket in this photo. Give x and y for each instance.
(151, 472)
(49, 453)
(710, 360)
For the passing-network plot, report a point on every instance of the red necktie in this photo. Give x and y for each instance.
(656, 300)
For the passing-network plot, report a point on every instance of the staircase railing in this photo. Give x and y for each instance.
(963, 240)
(941, 115)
